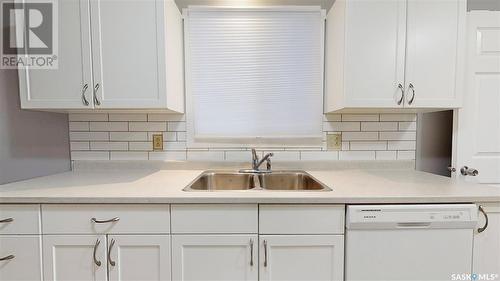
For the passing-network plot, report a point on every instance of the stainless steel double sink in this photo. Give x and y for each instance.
(274, 181)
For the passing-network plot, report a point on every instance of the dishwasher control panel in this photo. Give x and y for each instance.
(411, 216)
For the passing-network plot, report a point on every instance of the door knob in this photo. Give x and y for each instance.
(466, 171)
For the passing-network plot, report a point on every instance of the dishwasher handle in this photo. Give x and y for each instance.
(413, 224)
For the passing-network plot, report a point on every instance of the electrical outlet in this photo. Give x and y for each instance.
(158, 142)
(334, 141)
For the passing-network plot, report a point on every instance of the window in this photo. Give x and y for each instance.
(254, 76)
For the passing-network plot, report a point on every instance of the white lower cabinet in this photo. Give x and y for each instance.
(301, 257)
(139, 257)
(214, 257)
(20, 258)
(486, 258)
(74, 257)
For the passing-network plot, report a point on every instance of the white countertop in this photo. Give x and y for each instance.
(165, 186)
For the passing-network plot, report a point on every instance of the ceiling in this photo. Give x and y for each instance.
(325, 4)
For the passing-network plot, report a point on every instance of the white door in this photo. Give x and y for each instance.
(375, 53)
(20, 258)
(478, 142)
(139, 257)
(434, 49)
(214, 257)
(127, 61)
(487, 243)
(69, 86)
(74, 257)
(301, 257)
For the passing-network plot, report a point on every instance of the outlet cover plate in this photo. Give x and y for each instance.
(334, 141)
(158, 142)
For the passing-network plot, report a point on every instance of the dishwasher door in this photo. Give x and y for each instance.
(409, 242)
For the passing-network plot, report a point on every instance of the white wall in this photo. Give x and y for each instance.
(31, 143)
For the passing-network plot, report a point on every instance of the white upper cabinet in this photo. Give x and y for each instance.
(68, 86)
(387, 54)
(136, 61)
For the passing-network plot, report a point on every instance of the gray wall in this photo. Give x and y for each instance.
(32, 143)
(492, 5)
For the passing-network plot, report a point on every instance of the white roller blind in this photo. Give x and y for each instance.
(254, 74)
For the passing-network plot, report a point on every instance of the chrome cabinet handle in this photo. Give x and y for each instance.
(251, 252)
(402, 94)
(115, 219)
(265, 254)
(96, 100)
(110, 261)
(84, 98)
(483, 228)
(97, 242)
(7, 258)
(7, 220)
(412, 88)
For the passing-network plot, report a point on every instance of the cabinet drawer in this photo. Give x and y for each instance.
(19, 219)
(301, 219)
(131, 219)
(22, 258)
(227, 218)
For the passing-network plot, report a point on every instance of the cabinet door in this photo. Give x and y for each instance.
(139, 257)
(64, 87)
(20, 258)
(301, 257)
(487, 243)
(74, 257)
(214, 257)
(435, 39)
(126, 57)
(374, 53)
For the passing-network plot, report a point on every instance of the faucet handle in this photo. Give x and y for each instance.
(268, 163)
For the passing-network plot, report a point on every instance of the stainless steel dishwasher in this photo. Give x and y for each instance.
(409, 242)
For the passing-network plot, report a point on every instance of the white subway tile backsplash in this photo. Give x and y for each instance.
(177, 126)
(108, 146)
(168, 156)
(120, 136)
(128, 136)
(88, 117)
(379, 126)
(357, 155)
(79, 126)
(398, 135)
(398, 117)
(108, 126)
(166, 117)
(385, 155)
(147, 126)
(128, 117)
(89, 136)
(406, 155)
(90, 155)
(205, 155)
(353, 136)
(79, 145)
(360, 117)
(368, 145)
(407, 126)
(319, 155)
(402, 145)
(128, 155)
(340, 126)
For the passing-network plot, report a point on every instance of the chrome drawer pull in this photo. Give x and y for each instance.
(251, 252)
(402, 94)
(483, 228)
(412, 88)
(110, 261)
(265, 254)
(7, 220)
(115, 219)
(9, 257)
(97, 242)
